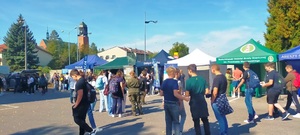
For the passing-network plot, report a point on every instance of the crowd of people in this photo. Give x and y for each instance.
(196, 90)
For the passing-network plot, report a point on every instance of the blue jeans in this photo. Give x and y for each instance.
(109, 104)
(221, 119)
(182, 117)
(117, 106)
(248, 101)
(72, 95)
(91, 116)
(172, 117)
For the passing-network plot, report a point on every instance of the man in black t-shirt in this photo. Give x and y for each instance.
(273, 92)
(248, 94)
(81, 105)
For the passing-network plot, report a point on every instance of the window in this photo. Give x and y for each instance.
(113, 56)
(107, 57)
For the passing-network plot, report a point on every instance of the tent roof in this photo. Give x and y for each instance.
(92, 60)
(291, 54)
(196, 57)
(251, 51)
(117, 63)
(162, 57)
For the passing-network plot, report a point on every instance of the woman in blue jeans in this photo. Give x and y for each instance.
(219, 89)
(118, 96)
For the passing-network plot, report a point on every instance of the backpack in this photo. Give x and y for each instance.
(280, 84)
(296, 82)
(42, 82)
(253, 80)
(91, 93)
(113, 85)
(100, 83)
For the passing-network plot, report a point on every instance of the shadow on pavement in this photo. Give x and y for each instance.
(119, 128)
(11, 98)
(235, 129)
(51, 129)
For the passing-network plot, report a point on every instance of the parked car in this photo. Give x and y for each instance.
(11, 78)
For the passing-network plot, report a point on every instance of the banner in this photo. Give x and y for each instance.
(84, 64)
(156, 80)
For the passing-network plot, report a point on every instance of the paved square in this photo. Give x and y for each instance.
(50, 114)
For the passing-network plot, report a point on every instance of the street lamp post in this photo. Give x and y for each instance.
(25, 50)
(145, 35)
(69, 45)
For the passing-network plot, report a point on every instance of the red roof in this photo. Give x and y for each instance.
(2, 47)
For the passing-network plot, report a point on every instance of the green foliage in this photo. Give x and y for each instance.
(54, 36)
(283, 25)
(151, 55)
(43, 70)
(181, 48)
(93, 49)
(15, 41)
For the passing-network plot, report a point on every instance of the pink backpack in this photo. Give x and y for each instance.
(296, 82)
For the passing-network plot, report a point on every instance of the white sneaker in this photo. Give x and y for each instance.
(113, 115)
(256, 116)
(98, 129)
(120, 115)
(297, 115)
(247, 121)
(93, 132)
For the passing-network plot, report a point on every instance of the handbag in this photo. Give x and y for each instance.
(106, 90)
(223, 104)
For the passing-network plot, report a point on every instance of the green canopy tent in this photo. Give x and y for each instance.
(252, 52)
(117, 63)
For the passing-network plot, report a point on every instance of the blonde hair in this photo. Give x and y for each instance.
(171, 70)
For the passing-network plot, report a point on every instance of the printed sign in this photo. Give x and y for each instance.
(248, 48)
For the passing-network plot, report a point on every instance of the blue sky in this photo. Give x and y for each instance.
(214, 26)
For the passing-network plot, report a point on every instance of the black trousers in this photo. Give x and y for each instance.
(205, 125)
(79, 115)
(292, 97)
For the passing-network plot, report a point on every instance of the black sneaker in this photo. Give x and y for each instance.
(269, 118)
(285, 115)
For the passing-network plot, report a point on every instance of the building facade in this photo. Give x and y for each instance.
(115, 52)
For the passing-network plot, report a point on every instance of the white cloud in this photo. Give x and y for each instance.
(214, 43)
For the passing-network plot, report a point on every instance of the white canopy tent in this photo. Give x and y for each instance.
(196, 57)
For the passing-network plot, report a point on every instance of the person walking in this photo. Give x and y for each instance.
(17, 83)
(118, 96)
(133, 85)
(237, 76)
(196, 88)
(182, 113)
(81, 105)
(219, 100)
(273, 92)
(31, 84)
(72, 84)
(229, 80)
(292, 90)
(144, 88)
(169, 90)
(248, 93)
(101, 83)
(43, 83)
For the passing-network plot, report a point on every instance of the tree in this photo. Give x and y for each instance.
(15, 41)
(283, 27)
(151, 55)
(54, 36)
(93, 49)
(181, 48)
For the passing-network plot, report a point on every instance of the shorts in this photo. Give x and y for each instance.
(272, 97)
(235, 83)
